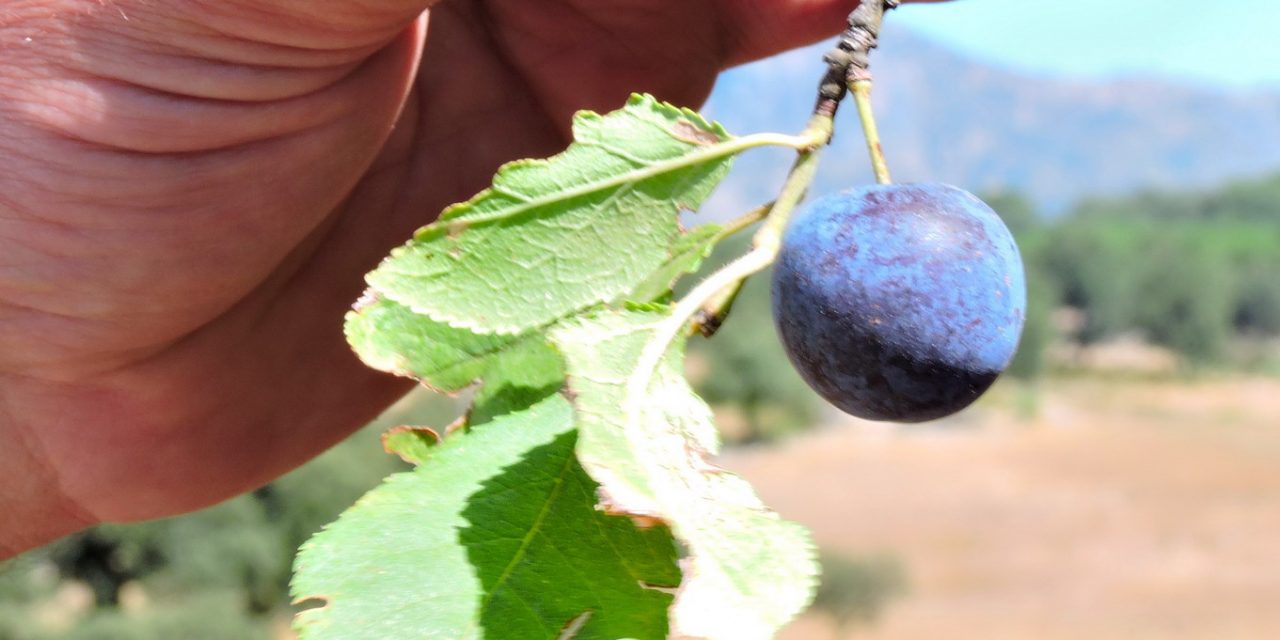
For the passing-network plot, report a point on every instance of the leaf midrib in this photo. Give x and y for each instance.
(697, 156)
(528, 538)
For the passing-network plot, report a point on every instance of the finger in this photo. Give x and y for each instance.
(756, 29)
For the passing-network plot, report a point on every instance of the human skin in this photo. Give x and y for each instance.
(190, 191)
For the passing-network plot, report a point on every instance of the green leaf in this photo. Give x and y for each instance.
(413, 444)
(390, 337)
(497, 537)
(553, 237)
(517, 379)
(747, 572)
(687, 254)
(517, 370)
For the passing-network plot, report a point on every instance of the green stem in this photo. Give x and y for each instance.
(715, 311)
(736, 226)
(769, 238)
(862, 98)
(712, 314)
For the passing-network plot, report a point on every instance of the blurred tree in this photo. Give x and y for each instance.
(1245, 200)
(1016, 210)
(107, 557)
(1189, 270)
(1186, 299)
(1257, 309)
(1098, 274)
(218, 574)
(1031, 360)
(856, 590)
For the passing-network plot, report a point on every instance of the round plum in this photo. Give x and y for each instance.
(899, 302)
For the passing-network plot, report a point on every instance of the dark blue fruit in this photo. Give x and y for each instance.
(899, 302)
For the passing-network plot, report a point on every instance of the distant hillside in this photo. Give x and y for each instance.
(950, 119)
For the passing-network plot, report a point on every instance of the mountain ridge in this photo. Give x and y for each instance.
(947, 118)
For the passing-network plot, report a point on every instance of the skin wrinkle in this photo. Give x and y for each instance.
(481, 22)
(281, 442)
(44, 475)
(736, 35)
(599, 26)
(157, 438)
(508, 58)
(115, 156)
(725, 41)
(100, 39)
(112, 422)
(62, 335)
(629, 67)
(449, 104)
(198, 75)
(305, 250)
(229, 48)
(240, 121)
(104, 169)
(320, 25)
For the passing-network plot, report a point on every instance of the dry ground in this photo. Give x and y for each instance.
(1126, 510)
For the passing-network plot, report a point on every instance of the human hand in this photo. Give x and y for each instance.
(191, 191)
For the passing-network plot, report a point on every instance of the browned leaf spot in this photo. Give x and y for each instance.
(645, 522)
(694, 134)
(575, 625)
(456, 227)
(311, 602)
(395, 441)
(461, 424)
(662, 588)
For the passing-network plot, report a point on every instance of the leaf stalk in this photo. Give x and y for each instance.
(747, 219)
(765, 246)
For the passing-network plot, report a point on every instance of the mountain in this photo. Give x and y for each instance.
(951, 119)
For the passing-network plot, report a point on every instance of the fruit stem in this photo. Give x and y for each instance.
(746, 220)
(862, 98)
(849, 63)
(852, 52)
(708, 320)
(769, 237)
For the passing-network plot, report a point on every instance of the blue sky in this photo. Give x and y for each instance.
(1227, 42)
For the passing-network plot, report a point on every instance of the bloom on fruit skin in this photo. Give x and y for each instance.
(899, 302)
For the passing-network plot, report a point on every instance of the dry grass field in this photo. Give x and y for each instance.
(1126, 510)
